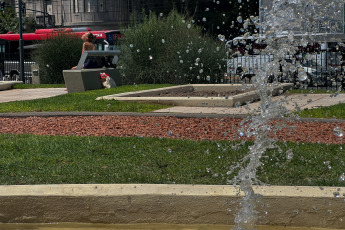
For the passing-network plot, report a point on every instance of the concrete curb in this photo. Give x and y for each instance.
(5, 85)
(162, 203)
(152, 95)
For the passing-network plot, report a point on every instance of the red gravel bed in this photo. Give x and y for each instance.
(172, 127)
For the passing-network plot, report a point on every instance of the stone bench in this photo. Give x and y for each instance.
(80, 80)
(88, 79)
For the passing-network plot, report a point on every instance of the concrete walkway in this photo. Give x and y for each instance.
(29, 94)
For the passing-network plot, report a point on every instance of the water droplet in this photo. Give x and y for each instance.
(221, 37)
(181, 61)
(201, 71)
(217, 2)
(161, 14)
(289, 154)
(163, 41)
(204, 19)
(131, 45)
(198, 77)
(208, 78)
(189, 26)
(207, 9)
(302, 75)
(200, 50)
(138, 50)
(150, 57)
(134, 147)
(338, 132)
(239, 19)
(170, 133)
(240, 1)
(336, 194)
(169, 150)
(342, 177)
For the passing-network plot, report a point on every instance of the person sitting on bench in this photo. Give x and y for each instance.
(91, 62)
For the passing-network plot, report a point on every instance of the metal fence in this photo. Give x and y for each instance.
(11, 71)
(322, 70)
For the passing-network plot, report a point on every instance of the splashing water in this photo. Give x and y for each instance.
(338, 132)
(285, 16)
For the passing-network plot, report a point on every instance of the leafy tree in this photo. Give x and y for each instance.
(170, 49)
(61, 51)
(29, 25)
(9, 20)
(216, 17)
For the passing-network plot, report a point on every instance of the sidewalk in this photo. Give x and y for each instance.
(29, 94)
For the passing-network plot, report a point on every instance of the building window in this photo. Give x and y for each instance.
(76, 6)
(94, 5)
(101, 5)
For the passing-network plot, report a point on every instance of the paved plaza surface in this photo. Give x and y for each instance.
(291, 102)
(29, 94)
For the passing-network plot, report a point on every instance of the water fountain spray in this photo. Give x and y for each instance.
(279, 27)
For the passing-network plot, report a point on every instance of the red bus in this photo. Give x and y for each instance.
(9, 46)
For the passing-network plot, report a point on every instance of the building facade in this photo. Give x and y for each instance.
(96, 14)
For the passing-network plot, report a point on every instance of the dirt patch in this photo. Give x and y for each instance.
(169, 127)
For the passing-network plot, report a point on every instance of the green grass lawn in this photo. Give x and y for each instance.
(31, 159)
(35, 86)
(334, 111)
(83, 101)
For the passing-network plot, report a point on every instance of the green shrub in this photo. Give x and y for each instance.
(61, 51)
(170, 50)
